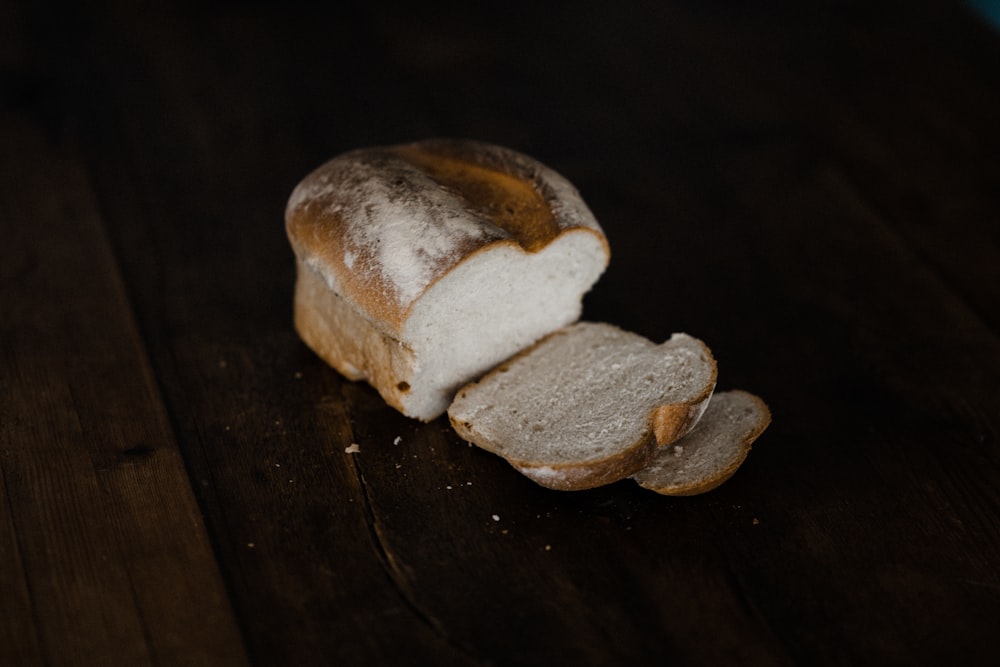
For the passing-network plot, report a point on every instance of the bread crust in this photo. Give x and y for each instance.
(462, 197)
(349, 342)
(594, 473)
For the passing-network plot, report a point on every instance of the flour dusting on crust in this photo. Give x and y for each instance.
(381, 228)
(398, 223)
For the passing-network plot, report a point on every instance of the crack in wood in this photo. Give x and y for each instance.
(394, 570)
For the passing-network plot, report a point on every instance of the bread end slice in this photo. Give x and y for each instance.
(712, 452)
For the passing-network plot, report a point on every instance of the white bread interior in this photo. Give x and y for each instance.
(486, 309)
(424, 265)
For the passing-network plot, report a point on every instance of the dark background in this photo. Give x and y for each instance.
(811, 188)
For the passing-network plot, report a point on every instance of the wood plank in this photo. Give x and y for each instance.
(910, 383)
(838, 513)
(592, 577)
(19, 641)
(874, 367)
(883, 453)
(115, 563)
(915, 131)
(869, 506)
(912, 125)
(263, 433)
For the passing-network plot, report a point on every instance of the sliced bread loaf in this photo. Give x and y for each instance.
(422, 266)
(587, 405)
(712, 451)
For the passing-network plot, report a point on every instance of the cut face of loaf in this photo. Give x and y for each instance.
(588, 405)
(422, 266)
(712, 451)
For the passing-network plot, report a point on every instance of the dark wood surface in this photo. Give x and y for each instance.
(814, 190)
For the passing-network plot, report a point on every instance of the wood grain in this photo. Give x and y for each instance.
(810, 190)
(113, 558)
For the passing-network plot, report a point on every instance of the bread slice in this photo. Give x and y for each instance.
(588, 405)
(712, 451)
(422, 266)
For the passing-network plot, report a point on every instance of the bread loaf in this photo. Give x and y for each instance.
(712, 451)
(588, 405)
(421, 266)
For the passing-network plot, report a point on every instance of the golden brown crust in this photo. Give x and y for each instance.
(511, 202)
(347, 341)
(381, 225)
(673, 421)
(592, 475)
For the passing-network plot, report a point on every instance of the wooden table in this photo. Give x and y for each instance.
(812, 190)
